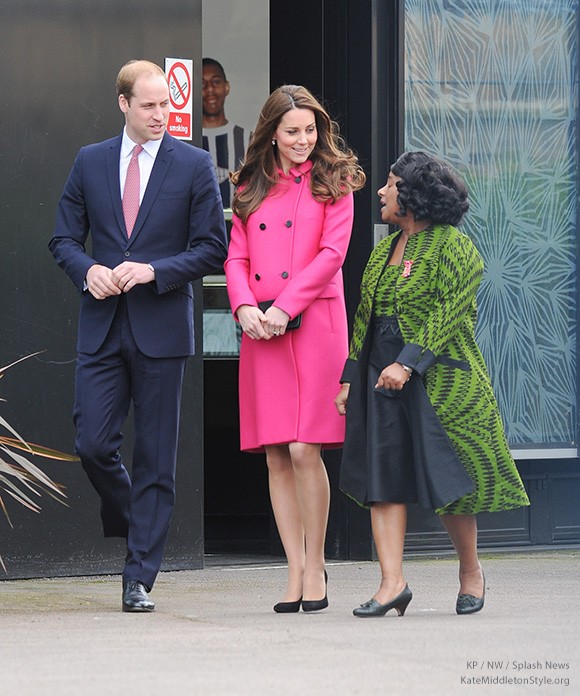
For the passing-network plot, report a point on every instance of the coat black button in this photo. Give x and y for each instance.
(262, 225)
(257, 276)
(285, 274)
(288, 223)
(298, 179)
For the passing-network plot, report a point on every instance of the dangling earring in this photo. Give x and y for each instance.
(273, 141)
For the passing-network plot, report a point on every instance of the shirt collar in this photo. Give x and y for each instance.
(151, 147)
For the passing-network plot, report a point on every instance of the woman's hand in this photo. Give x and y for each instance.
(275, 321)
(394, 376)
(342, 398)
(251, 320)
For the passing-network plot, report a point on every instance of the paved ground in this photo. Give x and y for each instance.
(214, 633)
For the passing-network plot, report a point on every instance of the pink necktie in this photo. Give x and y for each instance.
(131, 191)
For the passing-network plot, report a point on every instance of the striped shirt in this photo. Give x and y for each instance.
(227, 147)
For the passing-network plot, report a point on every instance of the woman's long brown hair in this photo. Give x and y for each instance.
(335, 170)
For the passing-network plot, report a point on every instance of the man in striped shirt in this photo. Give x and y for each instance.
(226, 142)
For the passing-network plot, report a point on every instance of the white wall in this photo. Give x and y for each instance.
(236, 33)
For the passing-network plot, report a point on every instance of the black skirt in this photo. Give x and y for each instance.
(395, 448)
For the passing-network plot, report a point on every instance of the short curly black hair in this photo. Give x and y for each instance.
(430, 189)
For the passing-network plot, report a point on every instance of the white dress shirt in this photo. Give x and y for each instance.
(146, 161)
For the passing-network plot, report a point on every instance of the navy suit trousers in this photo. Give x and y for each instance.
(136, 505)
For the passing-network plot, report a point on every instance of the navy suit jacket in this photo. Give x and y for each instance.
(180, 231)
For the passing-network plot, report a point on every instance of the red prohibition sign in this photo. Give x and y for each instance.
(179, 86)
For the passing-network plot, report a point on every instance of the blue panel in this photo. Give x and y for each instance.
(490, 86)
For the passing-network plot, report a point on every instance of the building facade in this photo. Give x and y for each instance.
(490, 86)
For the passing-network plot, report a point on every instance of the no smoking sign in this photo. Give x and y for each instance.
(179, 72)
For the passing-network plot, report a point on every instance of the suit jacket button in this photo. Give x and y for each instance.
(257, 276)
(127, 253)
(262, 225)
(288, 223)
(285, 275)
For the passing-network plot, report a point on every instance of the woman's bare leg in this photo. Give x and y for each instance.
(462, 530)
(313, 496)
(389, 522)
(282, 485)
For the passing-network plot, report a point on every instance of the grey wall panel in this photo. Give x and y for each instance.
(59, 62)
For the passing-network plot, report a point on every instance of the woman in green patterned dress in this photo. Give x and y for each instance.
(423, 424)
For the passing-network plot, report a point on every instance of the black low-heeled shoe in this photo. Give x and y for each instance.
(317, 604)
(469, 604)
(374, 608)
(288, 607)
(135, 597)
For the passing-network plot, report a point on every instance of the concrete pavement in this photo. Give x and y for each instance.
(214, 632)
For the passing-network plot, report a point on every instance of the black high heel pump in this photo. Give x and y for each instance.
(374, 608)
(288, 607)
(317, 604)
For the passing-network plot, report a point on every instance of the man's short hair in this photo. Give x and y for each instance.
(129, 73)
(215, 64)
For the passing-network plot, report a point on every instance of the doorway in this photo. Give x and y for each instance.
(236, 498)
(236, 47)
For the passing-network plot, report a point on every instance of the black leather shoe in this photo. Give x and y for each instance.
(374, 608)
(468, 604)
(135, 597)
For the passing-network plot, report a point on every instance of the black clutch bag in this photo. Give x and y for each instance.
(292, 324)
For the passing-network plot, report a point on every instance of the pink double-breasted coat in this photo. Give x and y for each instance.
(292, 250)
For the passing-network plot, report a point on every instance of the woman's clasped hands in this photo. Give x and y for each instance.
(262, 325)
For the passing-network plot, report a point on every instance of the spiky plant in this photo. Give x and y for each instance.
(19, 477)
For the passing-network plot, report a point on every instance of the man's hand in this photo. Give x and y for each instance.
(129, 273)
(101, 283)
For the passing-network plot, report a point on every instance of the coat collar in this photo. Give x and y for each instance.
(297, 171)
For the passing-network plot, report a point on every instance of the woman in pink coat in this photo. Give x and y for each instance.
(293, 213)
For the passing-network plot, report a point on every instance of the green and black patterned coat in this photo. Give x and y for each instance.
(435, 301)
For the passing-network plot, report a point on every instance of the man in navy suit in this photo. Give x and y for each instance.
(136, 315)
